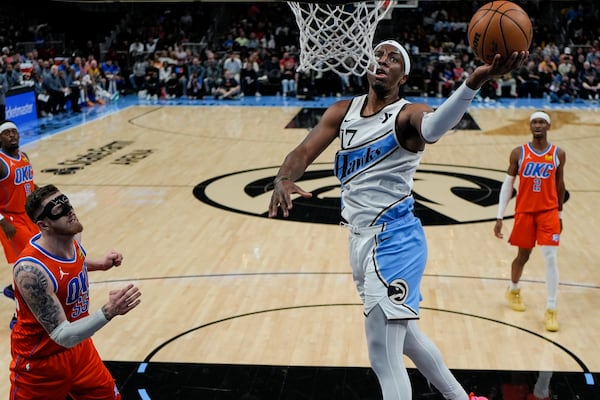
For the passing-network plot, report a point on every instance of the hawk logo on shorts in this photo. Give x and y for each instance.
(398, 291)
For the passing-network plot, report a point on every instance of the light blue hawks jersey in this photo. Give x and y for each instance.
(375, 172)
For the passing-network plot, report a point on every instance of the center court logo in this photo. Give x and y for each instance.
(444, 194)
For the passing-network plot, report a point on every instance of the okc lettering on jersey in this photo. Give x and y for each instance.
(77, 294)
(23, 174)
(537, 170)
(349, 163)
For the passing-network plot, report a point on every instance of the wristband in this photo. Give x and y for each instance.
(560, 214)
(280, 179)
(1, 217)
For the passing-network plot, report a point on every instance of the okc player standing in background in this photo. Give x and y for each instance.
(16, 182)
(538, 210)
(382, 138)
(52, 351)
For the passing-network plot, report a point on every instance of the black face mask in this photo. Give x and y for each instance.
(59, 207)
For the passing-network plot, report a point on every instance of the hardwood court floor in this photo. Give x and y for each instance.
(183, 190)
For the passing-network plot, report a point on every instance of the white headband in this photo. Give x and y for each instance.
(7, 125)
(540, 114)
(402, 51)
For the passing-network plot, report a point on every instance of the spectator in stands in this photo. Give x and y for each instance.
(446, 82)
(136, 48)
(213, 74)
(229, 42)
(164, 73)
(68, 80)
(458, 72)
(152, 84)
(590, 83)
(229, 88)
(429, 80)
(561, 90)
(233, 64)
(113, 81)
(564, 62)
(289, 78)
(96, 81)
(80, 71)
(286, 59)
(172, 86)
(241, 41)
(137, 78)
(249, 78)
(150, 45)
(253, 42)
(182, 71)
(507, 80)
(13, 76)
(528, 80)
(546, 77)
(272, 70)
(196, 69)
(547, 63)
(41, 95)
(56, 89)
(195, 87)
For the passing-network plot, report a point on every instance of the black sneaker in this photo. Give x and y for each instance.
(9, 292)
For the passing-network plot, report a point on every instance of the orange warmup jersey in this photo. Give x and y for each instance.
(537, 179)
(69, 279)
(14, 189)
(41, 368)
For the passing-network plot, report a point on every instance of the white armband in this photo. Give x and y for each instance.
(447, 115)
(69, 334)
(1, 217)
(505, 195)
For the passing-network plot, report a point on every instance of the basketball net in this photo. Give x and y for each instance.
(338, 37)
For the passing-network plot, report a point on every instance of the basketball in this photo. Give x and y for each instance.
(499, 27)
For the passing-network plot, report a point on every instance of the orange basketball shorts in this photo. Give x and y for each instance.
(541, 227)
(78, 372)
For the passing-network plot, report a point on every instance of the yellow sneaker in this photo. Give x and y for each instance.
(550, 321)
(514, 300)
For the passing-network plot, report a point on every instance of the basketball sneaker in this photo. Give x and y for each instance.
(514, 299)
(9, 292)
(550, 321)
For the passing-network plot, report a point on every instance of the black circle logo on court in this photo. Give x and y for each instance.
(398, 291)
(444, 194)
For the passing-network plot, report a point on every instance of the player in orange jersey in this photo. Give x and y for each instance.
(538, 210)
(53, 355)
(16, 182)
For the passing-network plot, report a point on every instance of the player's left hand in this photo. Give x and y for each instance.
(498, 229)
(112, 259)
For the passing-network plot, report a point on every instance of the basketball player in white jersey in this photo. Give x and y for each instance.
(382, 138)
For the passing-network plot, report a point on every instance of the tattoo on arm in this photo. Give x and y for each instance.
(33, 284)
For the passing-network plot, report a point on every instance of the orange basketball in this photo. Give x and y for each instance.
(499, 27)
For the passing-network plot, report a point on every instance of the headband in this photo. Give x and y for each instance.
(401, 50)
(7, 125)
(540, 114)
